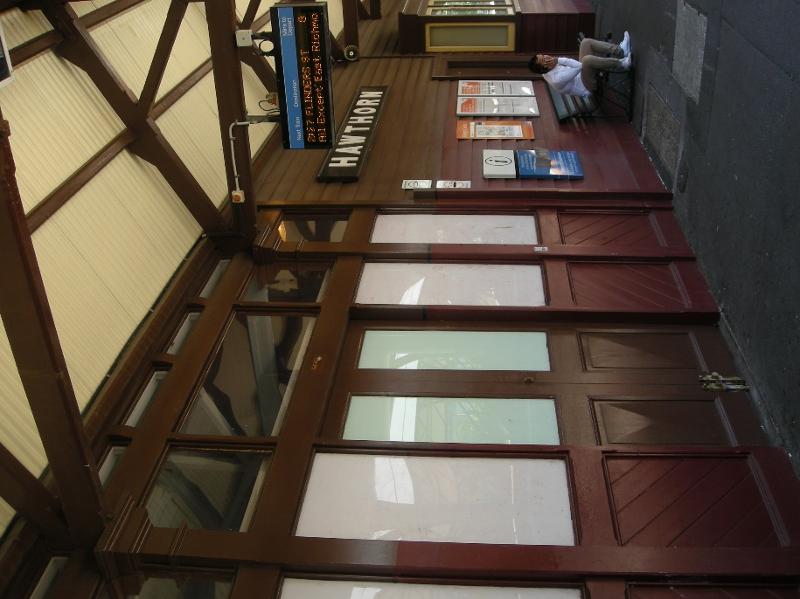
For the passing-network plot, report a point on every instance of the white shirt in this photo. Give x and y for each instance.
(565, 78)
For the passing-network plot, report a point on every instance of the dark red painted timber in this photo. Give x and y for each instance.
(610, 152)
(552, 26)
(713, 591)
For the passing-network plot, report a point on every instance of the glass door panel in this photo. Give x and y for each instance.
(252, 377)
(500, 229)
(454, 350)
(416, 283)
(452, 420)
(445, 499)
(296, 588)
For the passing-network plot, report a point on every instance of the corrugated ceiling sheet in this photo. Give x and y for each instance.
(18, 431)
(335, 19)
(85, 7)
(6, 513)
(105, 257)
(191, 48)
(253, 92)
(129, 40)
(241, 7)
(21, 27)
(192, 127)
(58, 121)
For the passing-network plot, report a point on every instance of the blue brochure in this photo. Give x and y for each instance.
(548, 164)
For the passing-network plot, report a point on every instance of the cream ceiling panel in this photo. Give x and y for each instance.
(85, 7)
(58, 121)
(129, 40)
(92, 325)
(105, 258)
(255, 92)
(132, 252)
(21, 27)
(190, 51)
(192, 127)
(6, 513)
(335, 19)
(167, 229)
(241, 7)
(18, 431)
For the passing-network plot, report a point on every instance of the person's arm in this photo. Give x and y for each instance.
(569, 62)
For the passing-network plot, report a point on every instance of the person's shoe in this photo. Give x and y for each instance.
(626, 44)
(625, 63)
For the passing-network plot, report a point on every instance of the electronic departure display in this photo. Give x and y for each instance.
(302, 58)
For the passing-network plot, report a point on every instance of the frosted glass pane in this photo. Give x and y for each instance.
(455, 350)
(455, 228)
(452, 420)
(420, 498)
(451, 284)
(295, 588)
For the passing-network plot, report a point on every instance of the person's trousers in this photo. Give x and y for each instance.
(593, 57)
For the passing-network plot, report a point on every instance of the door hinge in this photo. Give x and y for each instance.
(714, 381)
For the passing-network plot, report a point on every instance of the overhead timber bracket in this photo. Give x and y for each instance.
(29, 497)
(79, 48)
(231, 108)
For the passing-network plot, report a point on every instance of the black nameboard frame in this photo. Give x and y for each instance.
(346, 158)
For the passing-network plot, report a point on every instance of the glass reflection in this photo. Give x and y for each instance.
(496, 500)
(452, 420)
(455, 350)
(393, 481)
(205, 489)
(251, 379)
(287, 283)
(321, 227)
(183, 333)
(110, 463)
(214, 278)
(48, 577)
(188, 588)
(145, 398)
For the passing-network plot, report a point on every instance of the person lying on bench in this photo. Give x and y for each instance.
(579, 77)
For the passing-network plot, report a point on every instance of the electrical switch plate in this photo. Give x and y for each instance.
(244, 38)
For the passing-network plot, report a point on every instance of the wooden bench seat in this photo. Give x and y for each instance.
(568, 106)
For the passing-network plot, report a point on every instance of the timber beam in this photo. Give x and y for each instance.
(227, 67)
(42, 368)
(80, 49)
(28, 496)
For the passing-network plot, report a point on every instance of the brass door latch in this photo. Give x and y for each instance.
(714, 381)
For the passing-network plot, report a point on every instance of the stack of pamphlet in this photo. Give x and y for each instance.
(548, 164)
(499, 164)
(531, 164)
(474, 129)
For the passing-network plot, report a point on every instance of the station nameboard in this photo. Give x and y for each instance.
(302, 57)
(345, 160)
